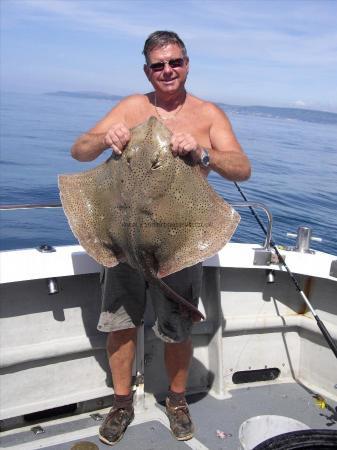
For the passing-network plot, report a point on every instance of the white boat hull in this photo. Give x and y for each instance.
(52, 354)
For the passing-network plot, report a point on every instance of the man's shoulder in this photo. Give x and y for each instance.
(207, 111)
(135, 109)
(206, 105)
(134, 100)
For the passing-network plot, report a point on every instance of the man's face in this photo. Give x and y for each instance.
(169, 79)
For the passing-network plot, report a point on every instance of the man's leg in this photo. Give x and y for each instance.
(121, 347)
(123, 305)
(177, 360)
(173, 326)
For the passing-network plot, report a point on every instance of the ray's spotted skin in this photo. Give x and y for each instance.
(146, 207)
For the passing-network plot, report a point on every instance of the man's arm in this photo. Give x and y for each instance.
(226, 155)
(110, 132)
(88, 146)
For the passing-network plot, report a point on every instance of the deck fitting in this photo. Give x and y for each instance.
(97, 417)
(37, 430)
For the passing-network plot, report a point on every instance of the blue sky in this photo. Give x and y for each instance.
(270, 52)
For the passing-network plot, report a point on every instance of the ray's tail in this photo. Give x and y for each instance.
(151, 276)
(178, 298)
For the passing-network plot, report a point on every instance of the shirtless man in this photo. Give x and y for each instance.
(203, 130)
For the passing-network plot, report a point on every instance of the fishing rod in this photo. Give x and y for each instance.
(320, 324)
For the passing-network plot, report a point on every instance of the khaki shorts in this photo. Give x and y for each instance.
(124, 300)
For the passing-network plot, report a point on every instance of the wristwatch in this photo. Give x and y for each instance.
(204, 158)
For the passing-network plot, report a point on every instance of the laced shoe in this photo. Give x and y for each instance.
(115, 424)
(180, 420)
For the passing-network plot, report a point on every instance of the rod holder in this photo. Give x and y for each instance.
(263, 256)
(303, 239)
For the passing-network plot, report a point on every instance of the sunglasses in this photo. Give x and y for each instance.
(173, 63)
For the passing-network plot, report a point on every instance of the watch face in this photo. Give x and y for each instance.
(205, 159)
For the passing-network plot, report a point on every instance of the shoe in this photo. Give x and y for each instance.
(115, 424)
(180, 421)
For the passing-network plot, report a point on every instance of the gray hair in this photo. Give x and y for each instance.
(160, 39)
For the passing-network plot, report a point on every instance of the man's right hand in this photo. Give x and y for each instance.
(117, 137)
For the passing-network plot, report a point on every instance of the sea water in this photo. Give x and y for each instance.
(294, 168)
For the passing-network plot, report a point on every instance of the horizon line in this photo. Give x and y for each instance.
(96, 94)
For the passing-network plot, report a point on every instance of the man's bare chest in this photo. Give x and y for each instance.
(189, 121)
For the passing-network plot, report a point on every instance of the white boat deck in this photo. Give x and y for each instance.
(150, 429)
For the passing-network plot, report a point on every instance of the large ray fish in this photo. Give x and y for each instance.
(148, 208)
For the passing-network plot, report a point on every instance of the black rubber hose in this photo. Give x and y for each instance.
(304, 440)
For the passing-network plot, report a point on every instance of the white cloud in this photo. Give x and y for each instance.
(84, 15)
(260, 32)
(300, 104)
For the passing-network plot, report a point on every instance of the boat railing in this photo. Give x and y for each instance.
(265, 248)
(29, 206)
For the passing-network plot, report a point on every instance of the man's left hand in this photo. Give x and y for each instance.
(183, 144)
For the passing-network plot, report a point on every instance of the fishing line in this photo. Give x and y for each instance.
(320, 324)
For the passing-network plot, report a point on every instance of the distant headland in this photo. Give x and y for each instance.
(306, 115)
(86, 94)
